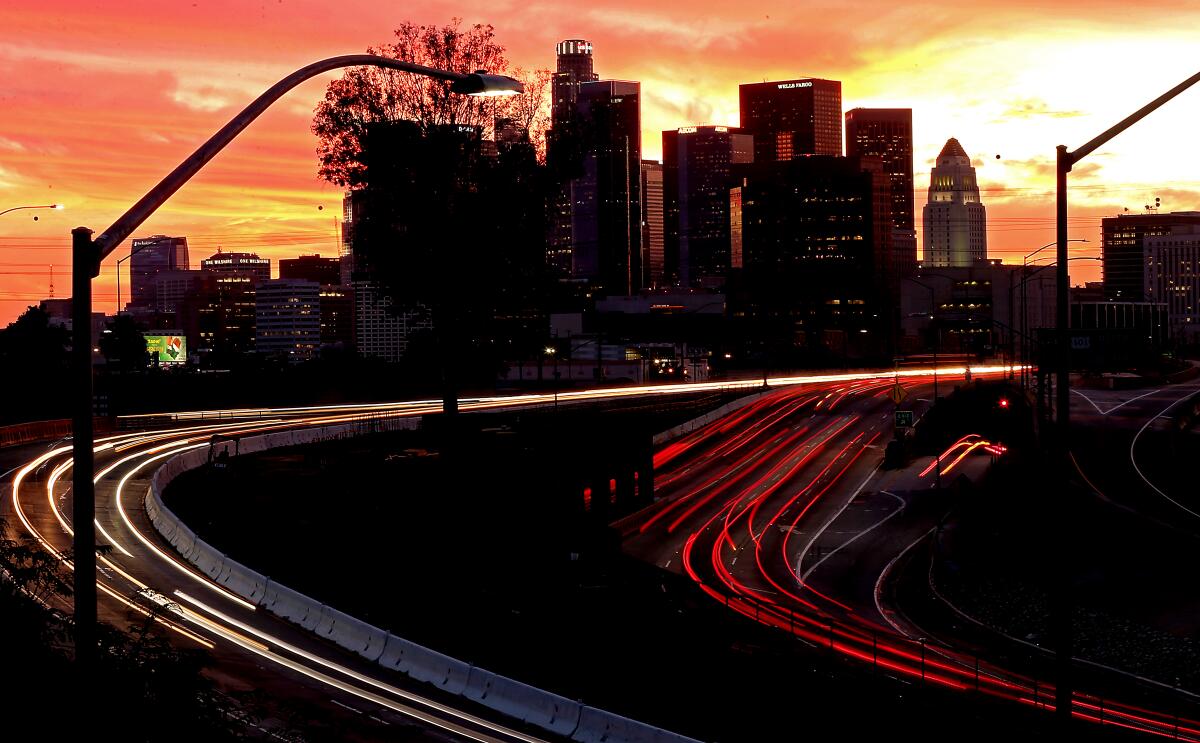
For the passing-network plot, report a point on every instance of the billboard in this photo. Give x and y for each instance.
(167, 349)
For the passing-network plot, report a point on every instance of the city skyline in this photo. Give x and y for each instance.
(95, 130)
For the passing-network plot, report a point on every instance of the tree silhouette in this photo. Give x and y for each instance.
(34, 354)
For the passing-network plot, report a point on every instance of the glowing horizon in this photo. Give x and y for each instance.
(101, 102)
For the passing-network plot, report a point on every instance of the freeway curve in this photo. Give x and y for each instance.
(142, 576)
(742, 502)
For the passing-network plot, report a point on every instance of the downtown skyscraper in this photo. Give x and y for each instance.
(606, 208)
(886, 133)
(811, 237)
(149, 257)
(652, 223)
(791, 118)
(955, 222)
(574, 66)
(698, 164)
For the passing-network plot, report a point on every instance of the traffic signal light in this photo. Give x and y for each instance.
(1003, 403)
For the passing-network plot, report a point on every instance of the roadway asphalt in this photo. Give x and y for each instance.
(249, 649)
(779, 511)
(773, 510)
(1130, 451)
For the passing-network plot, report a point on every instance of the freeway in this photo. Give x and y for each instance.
(1130, 450)
(141, 576)
(779, 511)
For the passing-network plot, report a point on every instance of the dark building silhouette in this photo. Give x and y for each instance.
(697, 175)
(790, 118)
(150, 255)
(652, 223)
(219, 316)
(606, 207)
(886, 133)
(574, 66)
(337, 316)
(811, 238)
(311, 268)
(1123, 250)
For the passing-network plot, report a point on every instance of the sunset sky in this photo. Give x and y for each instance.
(98, 100)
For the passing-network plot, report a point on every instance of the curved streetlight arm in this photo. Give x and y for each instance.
(40, 206)
(1051, 245)
(468, 84)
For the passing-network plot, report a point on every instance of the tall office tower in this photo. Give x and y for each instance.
(351, 214)
(248, 264)
(218, 317)
(955, 220)
(379, 332)
(652, 223)
(789, 118)
(574, 67)
(172, 287)
(698, 166)
(337, 316)
(1124, 254)
(606, 205)
(1173, 278)
(149, 256)
(886, 133)
(287, 316)
(311, 268)
(811, 237)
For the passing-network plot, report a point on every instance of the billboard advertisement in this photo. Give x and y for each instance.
(167, 349)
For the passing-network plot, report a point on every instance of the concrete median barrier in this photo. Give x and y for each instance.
(291, 605)
(537, 707)
(598, 726)
(243, 581)
(357, 636)
(430, 666)
(527, 703)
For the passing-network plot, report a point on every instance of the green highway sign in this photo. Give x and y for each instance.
(904, 419)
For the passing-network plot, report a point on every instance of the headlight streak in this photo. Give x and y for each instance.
(61, 557)
(434, 406)
(747, 600)
(125, 442)
(359, 677)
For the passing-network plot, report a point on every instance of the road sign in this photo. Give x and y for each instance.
(898, 394)
(904, 419)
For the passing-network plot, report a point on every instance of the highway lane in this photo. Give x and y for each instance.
(744, 501)
(141, 579)
(1128, 452)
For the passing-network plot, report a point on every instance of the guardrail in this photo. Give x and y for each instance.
(28, 433)
(538, 707)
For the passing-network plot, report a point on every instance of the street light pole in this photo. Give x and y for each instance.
(1066, 160)
(87, 254)
(937, 342)
(40, 206)
(1024, 308)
